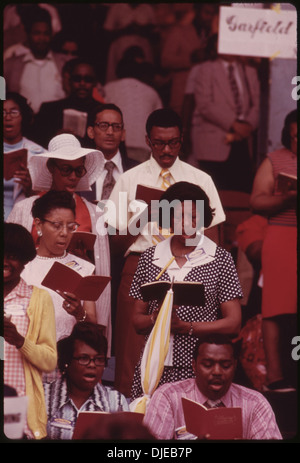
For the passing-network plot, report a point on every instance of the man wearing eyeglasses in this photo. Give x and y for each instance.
(106, 133)
(164, 137)
(51, 119)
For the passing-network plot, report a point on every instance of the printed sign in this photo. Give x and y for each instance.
(258, 32)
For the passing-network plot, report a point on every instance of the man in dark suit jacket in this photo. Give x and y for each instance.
(224, 121)
(50, 119)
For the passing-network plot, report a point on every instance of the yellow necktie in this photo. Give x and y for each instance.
(166, 179)
(162, 234)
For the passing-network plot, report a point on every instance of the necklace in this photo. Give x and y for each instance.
(47, 258)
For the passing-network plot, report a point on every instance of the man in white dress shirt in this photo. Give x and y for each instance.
(107, 132)
(164, 137)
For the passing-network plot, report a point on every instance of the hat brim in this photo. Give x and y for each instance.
(42, 179)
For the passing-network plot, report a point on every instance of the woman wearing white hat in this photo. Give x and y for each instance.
(68, 166)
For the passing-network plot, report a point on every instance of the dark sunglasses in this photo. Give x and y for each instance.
(66, 170)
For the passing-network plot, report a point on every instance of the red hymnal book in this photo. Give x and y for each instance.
(87, 239)
(148, 194)
(12, 162)
(212, 423)
(92, 420)
(63, 278)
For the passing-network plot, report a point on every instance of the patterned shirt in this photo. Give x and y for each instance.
(15, 306)
(62, 412)
(165, 418)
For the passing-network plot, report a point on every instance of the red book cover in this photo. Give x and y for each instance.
(12, 162)
(82, 239)
(63, 278)
(92, 420)
(223, 423)
(148, 194)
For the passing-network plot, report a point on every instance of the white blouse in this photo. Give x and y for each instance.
(36, 270)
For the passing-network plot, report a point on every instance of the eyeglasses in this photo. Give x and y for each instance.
(86, 360)
(58, 226)
(160, 144)
(67, 170)
(104, 126)
(13, 113)
(78, 78)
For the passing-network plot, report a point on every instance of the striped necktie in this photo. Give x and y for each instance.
(213, 403)
(162, 234)
(235, 90)
(109, 181)
(166, 179)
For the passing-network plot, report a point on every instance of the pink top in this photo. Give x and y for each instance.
(165, 419)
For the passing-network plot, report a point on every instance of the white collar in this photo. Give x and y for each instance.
(28, 57)
(117, 160)
(203, 253)
(156, 168)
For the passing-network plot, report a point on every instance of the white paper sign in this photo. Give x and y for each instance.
(15, 411)
(258, 32)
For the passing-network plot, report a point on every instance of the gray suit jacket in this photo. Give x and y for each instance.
(215, 109)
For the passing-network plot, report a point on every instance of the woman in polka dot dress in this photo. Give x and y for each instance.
(195, 258)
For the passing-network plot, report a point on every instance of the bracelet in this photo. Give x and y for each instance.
(191, 329)
(83, 318)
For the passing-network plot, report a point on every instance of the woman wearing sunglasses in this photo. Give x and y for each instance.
(69, 167)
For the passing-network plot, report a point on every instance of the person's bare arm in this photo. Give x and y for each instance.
(229, 324)
(142, 321)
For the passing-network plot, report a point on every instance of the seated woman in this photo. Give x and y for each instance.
(68, 167)
(17, 119)
(54, 217)
(82, 358)
(197, 259)
(29, 330)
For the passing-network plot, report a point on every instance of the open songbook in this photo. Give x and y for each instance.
(75, 121)
(286, 182)
(12, 161)
(185, 292)
(63, 278)
(212, 423)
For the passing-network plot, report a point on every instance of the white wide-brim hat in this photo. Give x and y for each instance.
(66, 147)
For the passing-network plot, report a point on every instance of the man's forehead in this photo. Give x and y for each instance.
(83, 68)
(207, 350)
(108, 114)
(40, 26)
(165, 132)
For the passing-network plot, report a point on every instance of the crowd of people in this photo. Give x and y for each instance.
(136, 95)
